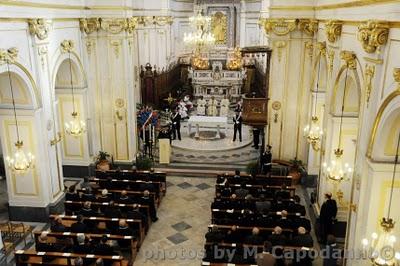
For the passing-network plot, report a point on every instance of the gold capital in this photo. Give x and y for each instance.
(89, 25)
(8, 56)
(308, 26)
(372, 34)
(333, 30)
(39, 27)
(278, 26)
(350, 59)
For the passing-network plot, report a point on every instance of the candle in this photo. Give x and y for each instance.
(144, 134)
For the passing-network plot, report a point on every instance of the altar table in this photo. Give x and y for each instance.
(207, 121)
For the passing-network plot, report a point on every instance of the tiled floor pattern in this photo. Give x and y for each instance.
(177, 238)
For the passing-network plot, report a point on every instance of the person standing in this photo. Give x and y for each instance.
(256, 137)
(201, 106)
(176, 125)
(212, 107)
(333, 253)
(327, 216)
(237, 125)
(224, 106)
(266, 161)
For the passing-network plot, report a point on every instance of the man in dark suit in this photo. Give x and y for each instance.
(149, 201)
(242, 191)
(233, 235)
(176, 124)
(277, 238)
(87, 210)
(332, 252)
(327, 216)
(103, 248)
(134, 213)
(214, 235)
(263, 205)
(124, 199)
(256, 137)
(79, 226)
(104, 196)
(302, 239)
(266, 160)
(237, 125)
(284, 221)
(254, 238)
(57, 225)
(71, 194)
(266, 258)
(82, 247)
(112, 211)
(296, 207)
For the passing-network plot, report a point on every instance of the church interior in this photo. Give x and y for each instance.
(231, 132)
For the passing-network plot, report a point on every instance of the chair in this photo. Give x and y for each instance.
(21, 231)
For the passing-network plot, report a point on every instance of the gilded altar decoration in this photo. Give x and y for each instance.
(280, 45)
(39, 27)
(8, 56)
(89, 25)
(278, 26)
(237, 61)
(368, 75)
(67, 46)
(333, 30)
(131, 24)
(200, 63)
(321, 46)
(219, 27)
(372, 34)
(308, 26)
(113, 25)
(350, 59)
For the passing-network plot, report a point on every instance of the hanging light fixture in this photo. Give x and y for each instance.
(74, 127)
(337, 170)
(381, 247)
(20, 162)
(313, 132)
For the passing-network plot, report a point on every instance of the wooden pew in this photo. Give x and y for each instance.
(145, 208)
(31, 257)
(53, 236)
(135, 224)
(263, 179)
(250, 228)
(292, 190)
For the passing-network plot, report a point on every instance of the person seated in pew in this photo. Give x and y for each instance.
(134, 213)
(284, 221)
(78, 261)
(302, 222)
(247, 218)
(147, 200)
(262, 204)
(282, 193)
(79, 226)
(221, 180)
(124, 230)
(104, 249)
(88, 195)
(86, 184)
(302, 239)
(218, 203)
(249, 203)
(266, 258)
(57, 225)
(71, 194)
(99, 262)
(87, 210)
(254, 238)
(104, 196)
(242, 191)
(147, 184)
(214, 235)
(277, 238)
(82, 245)
(264, 220)
(296, 207)
(278, 204)
(233, 235)
(112, 211)
(43, 245)
(124, 199)
(237, 174)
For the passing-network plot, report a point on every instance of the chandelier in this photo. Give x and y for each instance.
(201, 37)
(20, 162)
(337, 170)
(381, 247)
(313, 132)
(74, 127)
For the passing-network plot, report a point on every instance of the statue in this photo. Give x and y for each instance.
(219, 26)
(224, 106)
(212, 107)
(201, 106)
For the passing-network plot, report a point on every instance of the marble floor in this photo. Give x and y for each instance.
(177, 238)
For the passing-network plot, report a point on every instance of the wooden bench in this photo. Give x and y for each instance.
(135, 224)
(263, 179)
(53, 237)
(291, 190)
(31, 257)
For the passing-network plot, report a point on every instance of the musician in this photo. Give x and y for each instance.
(237, 125)
(176, 124)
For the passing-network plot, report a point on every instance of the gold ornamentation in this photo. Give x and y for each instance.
(131, 24)
(198, 62)
(396, 74)
(369, 75)
(350, 59)
(89, 45)
(333, 30)
(237, 61)
(116, 44)
(113, 25)
(89, 25)
(278, 26)
(343, 203)
(376, 61)
(219, 27)
(280, 45)
(39, 27)
(310, 48)
(308, 26)
(8, 56)
(321, 46)
(372, 34)
(56, 139)
(119, 103)
(276, 105)
(331, 57)
(163, 20)
(67, 46)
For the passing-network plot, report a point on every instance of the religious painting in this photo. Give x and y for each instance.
(219, 25)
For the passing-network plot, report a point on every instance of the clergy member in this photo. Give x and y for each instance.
(212, 107)
(224, 106)
(201, 106)
(237, 125)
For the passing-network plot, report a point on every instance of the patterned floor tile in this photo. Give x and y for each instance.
(184, 185)
(182, 226)
(203, 186)
(177, 238)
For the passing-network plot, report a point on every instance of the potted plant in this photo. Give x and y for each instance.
(296, 169)
(143, 162)
(102, 162)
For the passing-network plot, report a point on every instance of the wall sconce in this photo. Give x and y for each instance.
(276, 106)
(56, 139)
